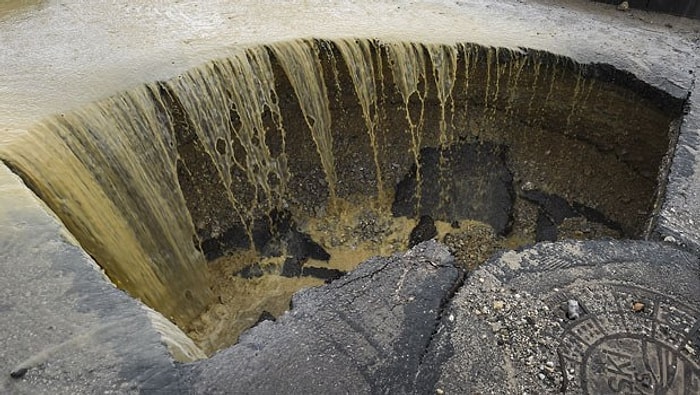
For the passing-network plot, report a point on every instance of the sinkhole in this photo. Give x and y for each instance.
(215, 195)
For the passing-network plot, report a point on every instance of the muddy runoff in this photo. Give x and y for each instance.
(215, 195)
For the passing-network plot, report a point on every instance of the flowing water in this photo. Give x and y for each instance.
(170, 185)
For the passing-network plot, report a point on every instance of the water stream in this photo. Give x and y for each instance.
(157, 180)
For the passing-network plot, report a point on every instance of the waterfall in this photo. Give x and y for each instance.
(148, 180)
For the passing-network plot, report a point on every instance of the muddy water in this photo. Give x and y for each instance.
(351, 234)
(13, 7)
(240, 302)
(159, 179)
(111, 178)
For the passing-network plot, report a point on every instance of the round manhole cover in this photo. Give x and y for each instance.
(594, 318)
(629, 340)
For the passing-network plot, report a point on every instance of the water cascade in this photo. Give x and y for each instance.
(156, 181)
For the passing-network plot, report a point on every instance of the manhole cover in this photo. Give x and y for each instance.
(593, 317)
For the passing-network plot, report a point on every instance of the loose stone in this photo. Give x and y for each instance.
(689, 349)
(572, 309)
